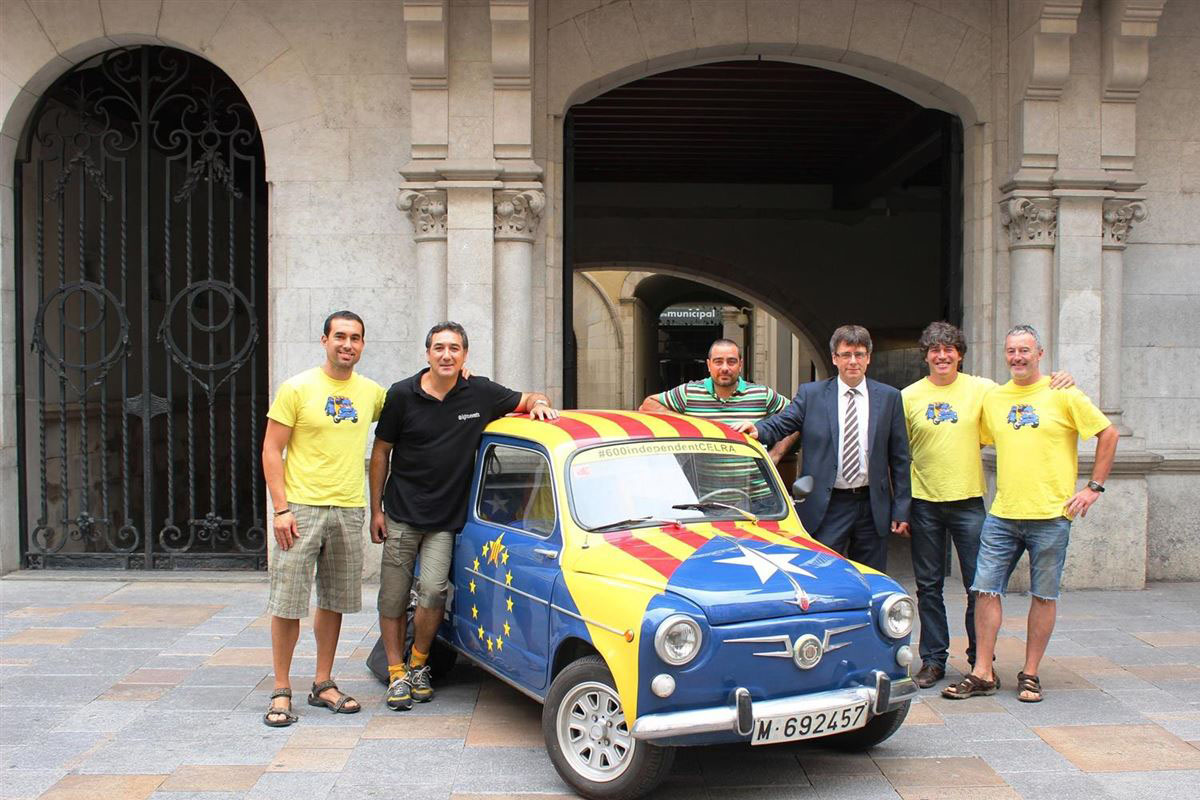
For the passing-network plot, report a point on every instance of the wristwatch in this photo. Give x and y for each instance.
(1095, 487)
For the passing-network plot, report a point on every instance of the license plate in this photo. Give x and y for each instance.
(771, 730)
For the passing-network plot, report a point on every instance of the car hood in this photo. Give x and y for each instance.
(734, 572)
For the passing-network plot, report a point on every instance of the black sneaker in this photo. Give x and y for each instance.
(400, 691)
(421, 683)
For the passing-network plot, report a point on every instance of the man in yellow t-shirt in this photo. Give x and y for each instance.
(941, 412)
(1036, 433)
(321, 417)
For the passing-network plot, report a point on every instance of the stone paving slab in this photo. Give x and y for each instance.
(113, 688)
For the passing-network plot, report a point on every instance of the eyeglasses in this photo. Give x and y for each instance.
(858, 355)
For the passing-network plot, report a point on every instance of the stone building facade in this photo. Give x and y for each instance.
(415, 148)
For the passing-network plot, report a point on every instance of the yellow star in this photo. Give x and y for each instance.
(489, 641)
(485, 549)
(472, 585)
(507, 630)
(481, 632)
(477, 565)
(508, 578)
(474, 612)
(504, 555)
(494, 550)
(509, 603)
(499, 642)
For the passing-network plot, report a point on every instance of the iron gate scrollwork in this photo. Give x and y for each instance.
(141, 215)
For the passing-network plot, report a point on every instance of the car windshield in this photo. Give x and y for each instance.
(651, 479)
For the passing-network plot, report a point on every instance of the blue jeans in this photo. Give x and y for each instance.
(934, 526)
(1000, 546)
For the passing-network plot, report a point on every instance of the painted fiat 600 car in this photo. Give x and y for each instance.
(646, 577)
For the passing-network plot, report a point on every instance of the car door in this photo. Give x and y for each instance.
(508, 556)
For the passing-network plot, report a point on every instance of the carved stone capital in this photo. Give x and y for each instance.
(1031, 222)
(427, 210)
(1119, 216)
(517, 214)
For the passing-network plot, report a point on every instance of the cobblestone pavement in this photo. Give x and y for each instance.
(118, 689)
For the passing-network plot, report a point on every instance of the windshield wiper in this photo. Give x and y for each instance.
(708, 505)
(632, 522)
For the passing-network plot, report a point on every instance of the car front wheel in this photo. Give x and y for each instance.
(589, 741)
(874, 732)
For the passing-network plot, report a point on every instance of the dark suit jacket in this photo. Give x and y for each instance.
(814, 412)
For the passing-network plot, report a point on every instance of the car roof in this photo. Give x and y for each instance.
(575, 429)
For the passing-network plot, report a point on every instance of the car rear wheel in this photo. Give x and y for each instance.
(589, 741)
(877, 730)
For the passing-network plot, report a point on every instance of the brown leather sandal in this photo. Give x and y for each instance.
(288, 716)
(971, 686)
(1029, 684)
(336, 706)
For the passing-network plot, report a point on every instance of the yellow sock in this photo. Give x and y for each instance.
(417, 659)
(396, 671)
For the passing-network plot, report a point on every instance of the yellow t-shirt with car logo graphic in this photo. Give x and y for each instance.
(1036, 431)
(330, 422)
(943, 434)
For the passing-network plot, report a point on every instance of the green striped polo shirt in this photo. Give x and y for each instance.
(749, 402)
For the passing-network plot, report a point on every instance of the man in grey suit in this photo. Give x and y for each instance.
(855, 446)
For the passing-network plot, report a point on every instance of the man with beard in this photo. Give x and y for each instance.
(724, 396)
(420, 476)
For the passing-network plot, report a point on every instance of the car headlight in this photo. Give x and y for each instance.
(678, 639)
(896, 616)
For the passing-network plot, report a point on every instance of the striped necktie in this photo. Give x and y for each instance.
(851, 459)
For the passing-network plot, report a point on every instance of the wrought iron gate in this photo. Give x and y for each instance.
(140, 277)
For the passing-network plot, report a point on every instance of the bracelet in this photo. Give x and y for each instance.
(281, 513)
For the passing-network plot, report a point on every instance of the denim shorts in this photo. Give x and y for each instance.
(1001, 543)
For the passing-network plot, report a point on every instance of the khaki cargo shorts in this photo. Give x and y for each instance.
(331, 542)
(400, 551)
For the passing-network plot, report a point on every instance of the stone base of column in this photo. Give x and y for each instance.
(1171, 552)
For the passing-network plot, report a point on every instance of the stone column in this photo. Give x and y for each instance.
(1119, 216)
(517, 214)
(732, 326)
(427, 209)
(1032, 224)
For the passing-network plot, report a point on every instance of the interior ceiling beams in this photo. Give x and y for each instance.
(751, 122)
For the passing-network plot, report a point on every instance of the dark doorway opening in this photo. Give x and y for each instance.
(831, 197)
(682, 352)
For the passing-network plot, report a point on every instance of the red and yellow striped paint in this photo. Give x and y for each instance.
(613, 576)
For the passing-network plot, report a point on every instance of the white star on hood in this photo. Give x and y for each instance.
(766, 564)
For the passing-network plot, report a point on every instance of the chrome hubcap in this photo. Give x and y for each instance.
(592, 732)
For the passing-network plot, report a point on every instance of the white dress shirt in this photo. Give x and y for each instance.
(864, 419)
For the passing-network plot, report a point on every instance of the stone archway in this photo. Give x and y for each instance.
(936, 59)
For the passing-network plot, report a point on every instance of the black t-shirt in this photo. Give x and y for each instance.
(434, 443)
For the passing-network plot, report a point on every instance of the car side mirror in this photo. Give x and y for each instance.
(802, 488)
